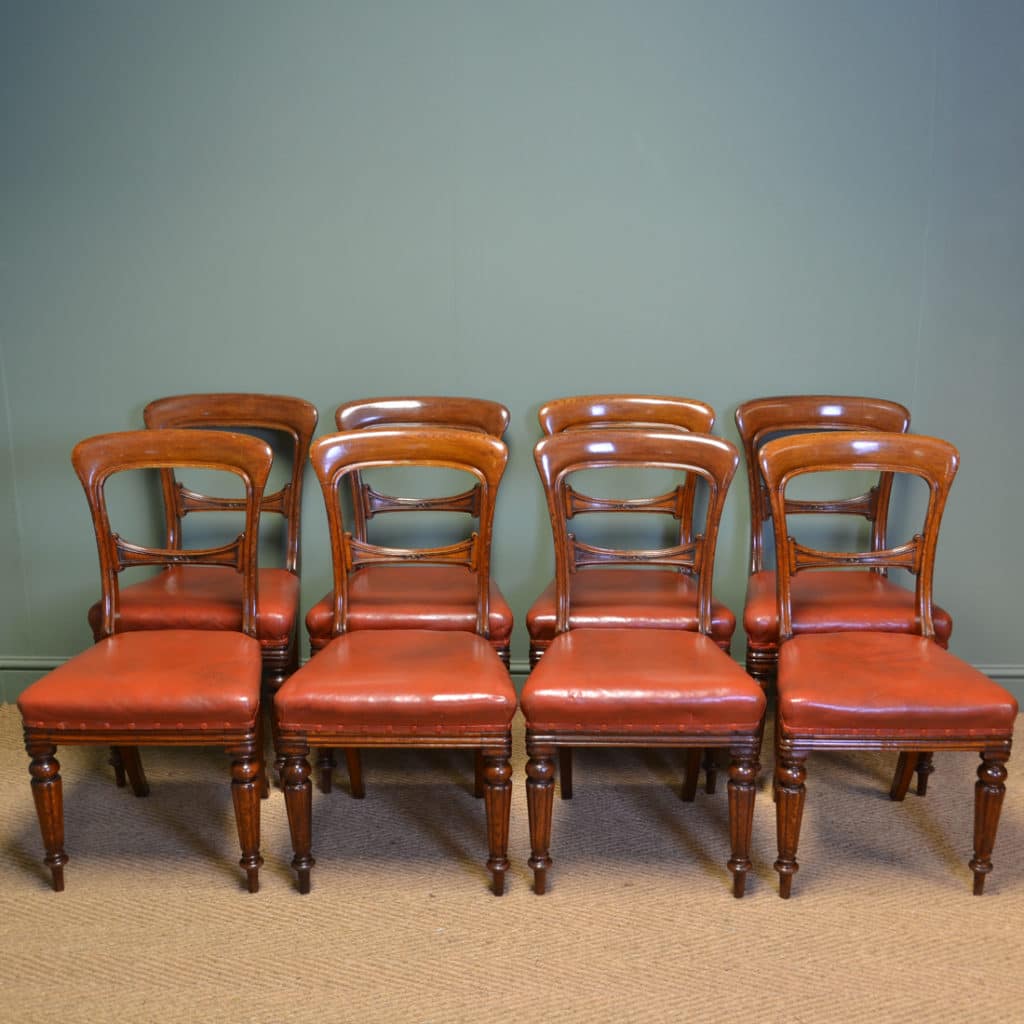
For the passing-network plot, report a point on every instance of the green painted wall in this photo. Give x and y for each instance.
(517, 201)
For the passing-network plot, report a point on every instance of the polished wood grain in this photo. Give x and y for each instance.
(700, 458)
(95, 461)
(928, 713)
(335, 459)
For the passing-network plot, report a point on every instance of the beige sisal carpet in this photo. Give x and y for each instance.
(639, 924)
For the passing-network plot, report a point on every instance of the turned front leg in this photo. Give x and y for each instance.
(988, 802)
(743, 769)
(298, 799)
(48, 794)
(246, 781)
(497, 808)
(540, 798)
(790, 791)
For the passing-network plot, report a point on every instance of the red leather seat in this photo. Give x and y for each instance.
(209, 598)
(171, 687)
(401, 685)
(392, 597)
(868, 690)
(616, 598)
(639, 686)
(832, 601)
(662, 682)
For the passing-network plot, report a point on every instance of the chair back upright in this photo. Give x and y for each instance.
(337, 456)
(761, 419)
(699, 456)
(96, 459)
(288, 417)
(416, 411)
(932, 460)
(634, 412)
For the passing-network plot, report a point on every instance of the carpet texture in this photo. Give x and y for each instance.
(638, 923)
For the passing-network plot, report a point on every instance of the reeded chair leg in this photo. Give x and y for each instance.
(565, 772)
(48, 794)
(743, 769)
(132, 764)
(540, 798)
(497, 807)
(988, 802)
(790, 774)
(298, 798)
(247, 777)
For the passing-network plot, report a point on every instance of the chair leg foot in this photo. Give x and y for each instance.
(988, 803)
(298, 799)
(246, 778)
(497, 773)
(540, 794)
(742, 788)
(790, 773)
(48, 795)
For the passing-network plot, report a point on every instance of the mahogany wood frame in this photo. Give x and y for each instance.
(639, 412)
(714, 461)
(95, 460)
(335, 457)
(936, 463)
(424, 411)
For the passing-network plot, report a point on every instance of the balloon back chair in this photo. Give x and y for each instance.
(396, 596)
(402, 686)
(872, 689)
(162, 687)
(625, 597)
(637, 686)
(206, 597)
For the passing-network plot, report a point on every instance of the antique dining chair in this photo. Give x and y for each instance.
(637, 686)
(876, 689)
(402, 686)
(388, 596)
(188, 596)
(621, 597)
(831, 600)
(159, 687)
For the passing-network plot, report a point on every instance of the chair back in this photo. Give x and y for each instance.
(764, 418)
(933, 460)
(481, 455)
(479, 414)
(635, 412)
(699, 456)
(96, 459)
(292, 418)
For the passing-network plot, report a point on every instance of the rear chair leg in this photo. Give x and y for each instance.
(565, 772)
(692, 776)
(132, 765)
(905, 766)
